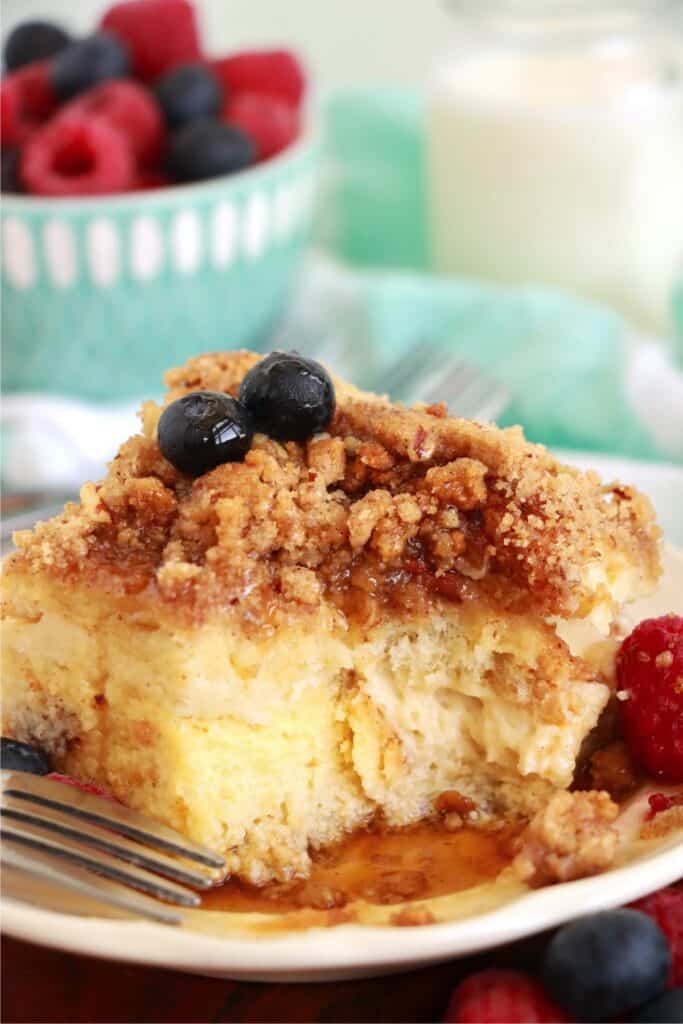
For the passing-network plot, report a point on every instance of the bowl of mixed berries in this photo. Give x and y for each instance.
(156, 199)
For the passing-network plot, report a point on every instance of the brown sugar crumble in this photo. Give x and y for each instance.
(412, 917)
(613, 769)
(453, 802)
(663, 824)
(571, 837)
(392, 507)
(665, 815)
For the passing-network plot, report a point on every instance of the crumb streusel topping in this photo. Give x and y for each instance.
(573, 836)
(393, 507)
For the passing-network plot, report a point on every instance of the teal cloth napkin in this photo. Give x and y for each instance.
(373, 206)
(565, 363)
(576, 377)
(568, 362)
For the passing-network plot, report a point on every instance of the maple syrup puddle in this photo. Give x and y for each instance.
(388, 867)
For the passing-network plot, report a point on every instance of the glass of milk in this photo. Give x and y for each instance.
(555, 148)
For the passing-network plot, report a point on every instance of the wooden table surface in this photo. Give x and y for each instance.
(41, 986)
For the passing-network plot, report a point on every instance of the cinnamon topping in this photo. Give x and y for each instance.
(571, 837)
(419, 506)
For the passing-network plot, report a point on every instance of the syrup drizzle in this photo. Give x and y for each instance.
(387, 867)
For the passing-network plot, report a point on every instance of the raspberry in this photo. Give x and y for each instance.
(666, 908)
(502, 997)
(85, 787)
(650, 678)
(275, 72)
(27, 101)
(9, 111)
(659, 802)
(9, 160)
(129, 108)
(159, 34)
(77, 156)
(148, 179)
(270, 122)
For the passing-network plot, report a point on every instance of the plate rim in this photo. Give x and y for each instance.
(348, 950)
(344, 948)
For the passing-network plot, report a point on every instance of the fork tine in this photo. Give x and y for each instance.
(109, 815)
(469, 392)
(31, 836)
(68, 876)
(124, 849)
(468, 376)
(473, 397)
(402, 380)
(493, 406)
(442, 382)
(455, 378)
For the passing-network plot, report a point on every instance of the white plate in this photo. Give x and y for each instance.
(345, 951)
(203, 946)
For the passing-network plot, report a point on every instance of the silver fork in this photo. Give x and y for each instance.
(95, 848)
(426, 373)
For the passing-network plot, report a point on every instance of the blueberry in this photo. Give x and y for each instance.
(20, 757)
(603, 965)
(33, 40)
(289, 397)
(10, 170)
(208, 149)
(202, 430)
(188, 93)
(665, 1009)
(88, 61)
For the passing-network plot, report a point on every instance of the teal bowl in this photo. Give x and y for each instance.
(100, 295)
